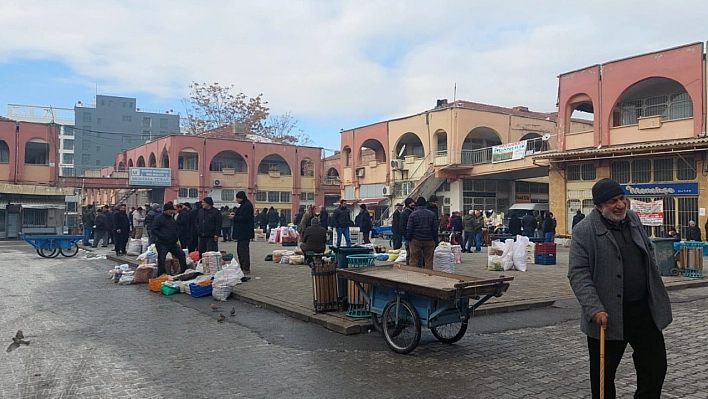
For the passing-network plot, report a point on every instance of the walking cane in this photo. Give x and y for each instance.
(602, 363)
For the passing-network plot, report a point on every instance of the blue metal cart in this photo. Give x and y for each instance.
(51, 246)
(403, 299)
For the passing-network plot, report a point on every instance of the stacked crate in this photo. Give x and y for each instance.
(545, 253)
(530, 254)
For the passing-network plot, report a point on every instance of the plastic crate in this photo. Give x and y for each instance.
(545, 248)
(693, 273)
(198, 291)
(156, 283)
(545, 259)
(361, 260)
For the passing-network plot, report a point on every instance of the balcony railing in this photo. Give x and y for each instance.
(332, 181)
(484, 155)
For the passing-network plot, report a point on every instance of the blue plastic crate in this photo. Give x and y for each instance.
(545, 259)
(199, 291)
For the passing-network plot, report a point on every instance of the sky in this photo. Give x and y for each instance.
(332, 64)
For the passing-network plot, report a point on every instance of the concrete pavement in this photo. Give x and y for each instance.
(288, 288)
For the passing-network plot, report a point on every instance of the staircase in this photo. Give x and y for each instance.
(126, 195)
(427, 185)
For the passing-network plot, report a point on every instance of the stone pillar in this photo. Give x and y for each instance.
(557, 198)
(456, 195)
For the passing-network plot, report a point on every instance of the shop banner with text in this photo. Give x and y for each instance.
(509, 152)
(650, 213)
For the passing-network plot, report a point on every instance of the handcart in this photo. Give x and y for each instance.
(403, 299)
(51, 246)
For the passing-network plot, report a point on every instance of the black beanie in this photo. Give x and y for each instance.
(241, 194)
(433, 198)
(209, 201)
(409, 201)
(421, 201)
(605, 190)
(168, 206)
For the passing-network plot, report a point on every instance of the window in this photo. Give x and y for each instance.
(442, 143)
(103, 102)
(86, 145)
(125, 104)
(37, 153)
(68, 144)
(686, 169)
(188, 161)
(641, 171)
(98, 162)
(98, 148)
(285, 196)
(98, 121)
(163, 123)
(68, 131)
(670, 106)
(110, 103)
(273, 196)
(127, 118)
(125, 140)
(262, 196)
(86, 159)
(34, 217)
(663, 170)
(87, 129)
(193, 193)
(147, 122)
(183, 192)
(146, 135)
(130, 105)
(4, 152)
(87, 117)
(588, 171)
(67, 159)
(227, 195)
(305, 197)
(572, 172)
(619, 170)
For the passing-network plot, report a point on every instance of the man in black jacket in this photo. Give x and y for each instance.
(88, 218)
(314, 238)
(433, 207)
(421, 231)
(365, 224)
(194, 237)
(403, 225)
(262, 221)
(324, 217)
(152, 212)
(209, 226)
(693, 232)
(109, 223)
(300, 214)
(121, 224)
(272, 221)
(185, 235)
(528, 223)
(164, 228)
(342, 221)
(243, 230)
(99, 229)
(395, 228)
(577, 218)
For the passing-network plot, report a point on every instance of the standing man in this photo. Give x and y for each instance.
(468, 227)
(365, 224)
(100, 227)
(130, 218)
(209, 226)
(194, 238)
(226, 223)
(138, 223)
(421, 231)
(395, 227)
(528, 223)
(433, 207)
(615, 278)
(456, 227)
(549, 227)
(152, 213)
(164, 229)
(299, 215)
(109, 222)
(272, 221)
(693, 232)
(577, 218)
(121, 224)
(477, 226)
(88, 218)
(342, 221)
(324, 217)
(243, 230)
(403, 225)
(183, 232)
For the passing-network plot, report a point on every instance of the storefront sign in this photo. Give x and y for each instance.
(509, 152)
(650, 213)
(150, 177)
(523, 199)
(479, 194)
(660, 189)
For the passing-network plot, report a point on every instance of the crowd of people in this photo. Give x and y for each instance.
(173, 228)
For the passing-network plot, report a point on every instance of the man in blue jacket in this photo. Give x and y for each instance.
(615, 278)
(421, 232)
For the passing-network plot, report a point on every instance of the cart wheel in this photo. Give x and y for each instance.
(376, 321)
(39, 252)
(71, 251)
(674, 272)
(401, 326)
(449, 333)
(49, 250)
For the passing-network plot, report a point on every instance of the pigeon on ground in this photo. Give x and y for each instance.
(17, 340)
(233, 311)
(221, 318)
(213, 307)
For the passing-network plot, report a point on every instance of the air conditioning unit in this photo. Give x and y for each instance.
(360, 172)
(387, 191)
(217, 183)
(397, 164)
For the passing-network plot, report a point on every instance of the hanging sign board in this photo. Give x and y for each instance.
(509, 152)
(650, 213)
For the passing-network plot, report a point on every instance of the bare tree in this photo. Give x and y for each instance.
(284, 128)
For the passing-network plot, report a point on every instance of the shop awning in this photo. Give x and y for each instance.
(349, 202)
(372, 201)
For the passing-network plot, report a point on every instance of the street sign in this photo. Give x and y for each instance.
(150, 177)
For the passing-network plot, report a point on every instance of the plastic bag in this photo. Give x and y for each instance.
(443, 260)
(169, 288)
(402, 256)
(297, 260)
(508, 255)
(145, 243)
(144, 273)
(225, 280)
(393, 255)
(135, 247)
(194, 256)
(494, 263)
(457, 253)
(211, 262)
(519, 256)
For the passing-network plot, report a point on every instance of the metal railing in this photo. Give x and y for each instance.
(331, 181)
(484, 155)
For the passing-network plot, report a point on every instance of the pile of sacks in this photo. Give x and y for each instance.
(287, 257)
(508, 255)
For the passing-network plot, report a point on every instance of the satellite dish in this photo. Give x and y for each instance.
(599, 146)
(546, 137)
(403, 149)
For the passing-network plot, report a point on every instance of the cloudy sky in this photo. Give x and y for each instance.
(332, 64)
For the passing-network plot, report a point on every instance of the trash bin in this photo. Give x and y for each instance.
(664, 254)
(691, 259)
(358, 308)
(324, 285)
(341, 254)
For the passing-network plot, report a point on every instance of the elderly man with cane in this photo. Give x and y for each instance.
(615, 278)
